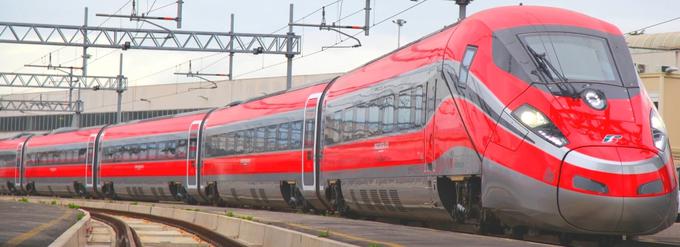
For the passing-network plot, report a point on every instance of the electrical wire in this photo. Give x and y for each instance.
(641, 30)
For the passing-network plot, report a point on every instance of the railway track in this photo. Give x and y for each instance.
(137, 230)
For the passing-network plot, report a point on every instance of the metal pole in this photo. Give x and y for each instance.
(398, 36)
(76, 117)
(461, 12)
(231, 47)
(367, 9)
(289, 51)
(179, 13)
(119, 91)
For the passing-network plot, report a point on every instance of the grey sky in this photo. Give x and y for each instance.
(265, 16)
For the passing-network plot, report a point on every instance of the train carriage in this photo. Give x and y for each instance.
(60, 163)
(153, 159)
(11, 163)
(254, 152)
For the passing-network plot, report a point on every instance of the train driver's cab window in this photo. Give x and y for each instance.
(469, 55)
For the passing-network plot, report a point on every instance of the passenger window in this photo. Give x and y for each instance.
(337, 127)
(259, 139)
(143, 152)
(284, 133)
(360, 123)
(373, 118)
(153, 151)
(468, 57)
(271, 137)
(388, 114)
(230, 144)
(404, 113)
(296, 135)
(419, 103)
(347, 124)
(239, 142)
(181, 148)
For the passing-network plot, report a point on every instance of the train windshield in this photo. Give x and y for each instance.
(563, 57)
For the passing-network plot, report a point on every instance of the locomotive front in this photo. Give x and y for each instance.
(595, 139)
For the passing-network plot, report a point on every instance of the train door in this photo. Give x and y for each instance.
(19, 166)
(309, 169)
(192, 169)
(430, 105)
(89, 160)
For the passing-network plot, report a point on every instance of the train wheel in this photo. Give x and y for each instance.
(335, 198)
(213, 195)
(79, 189)
(108, 191)
(30, 188)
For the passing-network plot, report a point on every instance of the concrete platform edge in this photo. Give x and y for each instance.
(76, 235)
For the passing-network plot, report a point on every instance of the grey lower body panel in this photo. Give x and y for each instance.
(62, 186)
(143, 188)
(520, 200)
(263, 190)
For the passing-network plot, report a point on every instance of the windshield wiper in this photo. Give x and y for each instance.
(546, 67)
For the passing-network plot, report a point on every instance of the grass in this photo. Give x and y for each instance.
(53, 202)
(23, 199)
(325, 234)
(229, 214)
(374, 245)
(80, 215)
(73, 206)
(134, 203)
(192, 209)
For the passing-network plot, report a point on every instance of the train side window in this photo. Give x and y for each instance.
(296, 135)
(153, 151)
(347, 124)
(419, 105)
(134, 152)
(360, 123)
(126, 153)
(230, 147)
(143, 152)
(238, 142)
(373, 118)
(81, 154)
(259, 139)
(271, 137)
(337, 127)
(181, 149)
(388, 114)
(468, 57)
(404, 112)
(283, 136)
(172, 149)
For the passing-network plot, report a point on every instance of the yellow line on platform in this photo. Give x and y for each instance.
(27, 235)
(348, 236)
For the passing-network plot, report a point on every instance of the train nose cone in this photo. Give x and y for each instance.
(631, 191)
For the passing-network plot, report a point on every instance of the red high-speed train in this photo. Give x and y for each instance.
(522, 117)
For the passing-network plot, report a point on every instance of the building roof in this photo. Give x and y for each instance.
(655, 41)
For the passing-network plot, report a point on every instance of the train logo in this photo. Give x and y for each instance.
(611, 138)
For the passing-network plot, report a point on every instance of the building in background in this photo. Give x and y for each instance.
(141, 102)
(657, 58)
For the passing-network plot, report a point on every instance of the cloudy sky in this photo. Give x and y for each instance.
(267, 16)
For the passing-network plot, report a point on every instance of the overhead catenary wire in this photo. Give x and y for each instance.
(641, 30)
(271, 65)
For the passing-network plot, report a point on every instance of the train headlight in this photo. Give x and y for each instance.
(594, 99)
(538, 123)
(658, 130)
